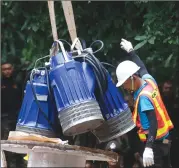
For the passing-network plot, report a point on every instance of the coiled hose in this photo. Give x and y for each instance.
(98, 69)
(101, 74)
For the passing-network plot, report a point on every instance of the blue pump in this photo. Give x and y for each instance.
(114, 108)
(84, 95)
(78, 110)
(112, 103)
(116, 113)
(37, 113)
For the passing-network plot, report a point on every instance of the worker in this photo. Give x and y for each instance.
(10, 105)
(169, 97)
(150, 114)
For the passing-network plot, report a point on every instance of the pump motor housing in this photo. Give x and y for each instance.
(78, 110)
(31, 119)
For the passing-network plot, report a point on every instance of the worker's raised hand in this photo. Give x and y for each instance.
(148, 157)
(126, 45)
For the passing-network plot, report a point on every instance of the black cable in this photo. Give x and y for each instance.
(51, 96)
(100, 66)
(105, 63)
(103, 71)
(25, 82)
(101, 74)
(97, 41)
(96, 72)
(38, 104)
(99, 71)
(48, 83)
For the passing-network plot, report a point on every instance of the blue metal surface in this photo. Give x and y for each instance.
(69, 83)
(78, 110)
(115, 111)
(30, 118)
(114, 102)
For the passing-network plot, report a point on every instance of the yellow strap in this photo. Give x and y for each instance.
(26, 157)
(137, 101)
(136, 108)
(52, 19)
(150, 81)
(69, 16)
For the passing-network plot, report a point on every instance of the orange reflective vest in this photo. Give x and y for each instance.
(164, 123)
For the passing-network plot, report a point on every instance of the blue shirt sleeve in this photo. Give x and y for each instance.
(148, 76)
(145, 104)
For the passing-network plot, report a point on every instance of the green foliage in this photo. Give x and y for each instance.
(152, 27)
(139, 45)
(26, 31)
(159, 37)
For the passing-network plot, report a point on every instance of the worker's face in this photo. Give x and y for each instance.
(128, 85)
(7, 70)
(167, 89)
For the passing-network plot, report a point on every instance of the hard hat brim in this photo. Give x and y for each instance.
(122, 81)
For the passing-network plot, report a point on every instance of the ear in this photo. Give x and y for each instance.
(135, 77)
(132, 77)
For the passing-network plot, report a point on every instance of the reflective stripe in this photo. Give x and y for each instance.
(164, 130)
(142, 137)
(134, 116)
(160, 132)
(42, 97)
(152, 83)
(39, 84)
(26, 157)
(159, 97)
(167, 124)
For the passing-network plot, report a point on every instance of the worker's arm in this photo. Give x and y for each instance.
(152, 129)
(148, 119)
(148, 122)
(132, 56)
(148, 154)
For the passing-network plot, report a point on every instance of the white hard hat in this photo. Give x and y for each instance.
(124, 70)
